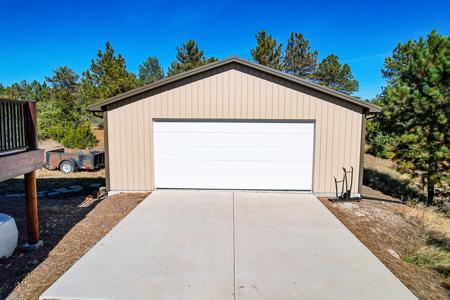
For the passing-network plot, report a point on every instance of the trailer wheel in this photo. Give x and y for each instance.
(66, 167)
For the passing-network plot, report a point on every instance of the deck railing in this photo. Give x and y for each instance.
(15, 125)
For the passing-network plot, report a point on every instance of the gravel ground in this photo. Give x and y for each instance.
(382, 228)
(70, 226)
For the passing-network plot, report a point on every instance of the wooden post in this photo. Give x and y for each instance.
(31, 208)
(30, 180)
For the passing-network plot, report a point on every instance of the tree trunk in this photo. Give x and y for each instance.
(430, 190)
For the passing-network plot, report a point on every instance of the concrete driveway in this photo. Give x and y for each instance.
(229, 245)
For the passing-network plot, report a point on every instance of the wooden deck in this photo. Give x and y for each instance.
(19, 155)
(20, 163)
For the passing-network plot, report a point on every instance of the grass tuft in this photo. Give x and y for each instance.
(436, 229)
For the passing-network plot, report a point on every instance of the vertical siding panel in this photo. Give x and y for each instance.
(170, 104)
(165, 104)
(239, 104)
(113, 146)
(182, 97)
(135, 182)
(300, 103)
(262, 98)
(247, 85)
(146, 141)
(291, 103)
(138, 140)
(332, 163)
(206, 99)
(120, 148)
(200, 98)
(246, 95)
(231, 91)
(127, 148)
(212, 94)
(319, 154)
(346, 120)
(257, 104)
(226, 95)
(336, 137)
(176, 102)
(194, 94)
(150, 145)
(353, 137)
(358, 118)
(312, 107)
(281, 101)
(187, 94)
(340, 139)
(267, 97)
(273, 101)
(157, 105)
(297, 104)
(328, 140)
(219, 94)
(317, 147)
(152, 114)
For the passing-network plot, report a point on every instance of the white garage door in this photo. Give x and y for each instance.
(234, 155)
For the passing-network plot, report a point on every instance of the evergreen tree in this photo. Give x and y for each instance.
(416, 110)
(65, 94)
(267, 52)
(189, 56)
(299, 60)
(339, 77)
(150, 71)
(107, 77)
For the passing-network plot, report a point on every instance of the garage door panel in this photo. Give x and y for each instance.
(230, 139)
(234, 174)
(233, 155)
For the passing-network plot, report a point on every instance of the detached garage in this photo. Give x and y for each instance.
(233, 124)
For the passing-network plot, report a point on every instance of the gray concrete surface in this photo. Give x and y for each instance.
(229, 245)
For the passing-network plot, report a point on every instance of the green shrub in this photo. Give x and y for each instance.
(80, 137)
(380, 143)
(57, 132)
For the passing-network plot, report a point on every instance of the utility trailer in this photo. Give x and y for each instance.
(68, 161)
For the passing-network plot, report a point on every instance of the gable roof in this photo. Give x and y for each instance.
(101, 106)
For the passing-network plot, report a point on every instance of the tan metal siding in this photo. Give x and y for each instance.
(232, 93)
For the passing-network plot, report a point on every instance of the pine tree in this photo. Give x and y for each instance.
(267, 52)
(189, 56)
(150, 71)
(416, 109)
(65, 94)
(339, 77)
(299, 60)
(107, 77)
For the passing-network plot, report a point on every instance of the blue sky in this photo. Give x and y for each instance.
(38, 36)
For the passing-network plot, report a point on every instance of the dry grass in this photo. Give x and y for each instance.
(435, 251)
(427, 218)
(400, 237)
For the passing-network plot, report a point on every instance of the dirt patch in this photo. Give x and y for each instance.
(384, 229)
(69, 228)
(100, 136)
